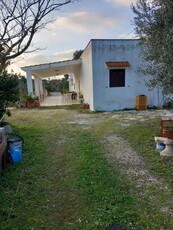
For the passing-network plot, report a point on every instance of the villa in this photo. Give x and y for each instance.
(105, 74)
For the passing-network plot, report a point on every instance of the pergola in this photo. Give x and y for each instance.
(43, 71)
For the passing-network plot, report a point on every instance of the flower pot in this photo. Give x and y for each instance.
(85, 106)
(30, 104)
(37, 103)
(23, 104)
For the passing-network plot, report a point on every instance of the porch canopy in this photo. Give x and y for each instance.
(47, 70)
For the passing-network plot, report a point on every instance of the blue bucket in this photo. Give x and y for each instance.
(15, 148)
(16, 155)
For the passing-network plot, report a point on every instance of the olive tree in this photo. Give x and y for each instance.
(154, 26)
(77, 54)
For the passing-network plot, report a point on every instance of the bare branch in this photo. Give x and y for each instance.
(20, 20)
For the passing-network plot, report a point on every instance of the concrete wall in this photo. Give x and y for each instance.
(115, 98)
(86, 76)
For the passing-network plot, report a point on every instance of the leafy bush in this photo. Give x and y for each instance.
(9, 90)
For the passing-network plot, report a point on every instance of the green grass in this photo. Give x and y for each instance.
(65, 182)
(22, 185)
(104, 199)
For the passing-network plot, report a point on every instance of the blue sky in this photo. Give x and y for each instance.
(75, 24)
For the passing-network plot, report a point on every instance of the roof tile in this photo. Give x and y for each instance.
(117, 64)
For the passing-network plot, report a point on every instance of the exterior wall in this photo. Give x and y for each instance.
(86, 76)
(115, 98)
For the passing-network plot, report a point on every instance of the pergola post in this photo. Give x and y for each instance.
(29, 82)
(41, 87)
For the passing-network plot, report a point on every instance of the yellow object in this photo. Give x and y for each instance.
(141, 102)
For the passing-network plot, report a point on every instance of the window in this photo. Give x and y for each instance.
(117, 78)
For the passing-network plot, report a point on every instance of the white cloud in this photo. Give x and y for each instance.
(83, 23)
(120, 2)
(64, 55)
(37, 58)
(27, 60)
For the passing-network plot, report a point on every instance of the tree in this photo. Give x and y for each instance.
(20, 20)
(77, 54)
(9, 90)
(57, 85)
(22, 85)
(154, 26)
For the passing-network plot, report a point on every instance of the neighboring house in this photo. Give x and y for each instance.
(106, 75)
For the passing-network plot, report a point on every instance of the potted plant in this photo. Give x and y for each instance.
(81, 99)
(36, 101)
(30, 101)
(23, 101)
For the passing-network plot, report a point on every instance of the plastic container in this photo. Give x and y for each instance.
(15, 148)
(141, 102)
(15, 142)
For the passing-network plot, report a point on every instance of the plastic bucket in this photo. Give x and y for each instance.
(15, 142)
(15, 148)
(16, 155)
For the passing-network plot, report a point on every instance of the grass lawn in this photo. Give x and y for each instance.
(66, 181)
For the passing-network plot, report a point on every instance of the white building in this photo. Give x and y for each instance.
(106, 75)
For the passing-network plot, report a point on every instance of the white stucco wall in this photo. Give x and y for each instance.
(115, 98)
(86, 76)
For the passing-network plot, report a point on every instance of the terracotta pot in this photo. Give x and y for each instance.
(37, 103)
(85, 106)
(23, 104)
(30, 104)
